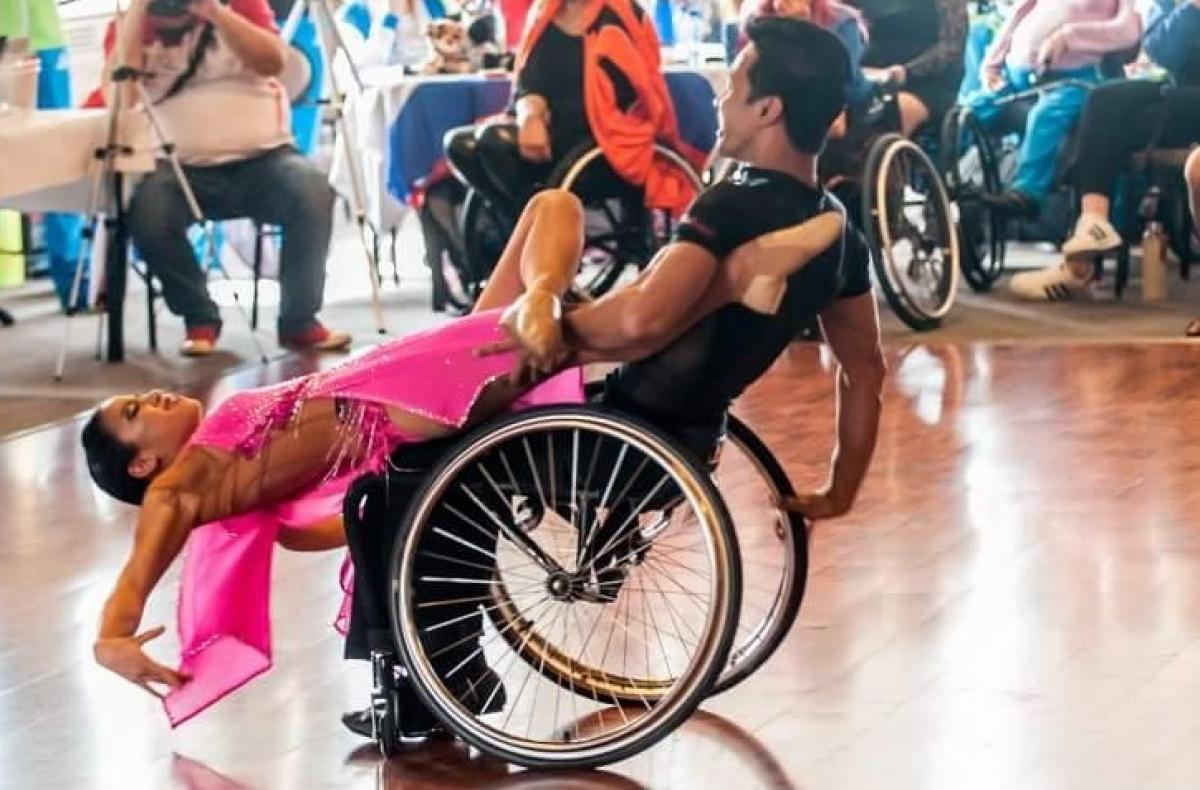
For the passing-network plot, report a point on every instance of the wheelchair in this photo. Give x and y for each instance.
(906, 214)
(588, 560)
(619, 232)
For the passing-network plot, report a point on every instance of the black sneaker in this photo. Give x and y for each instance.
(1011, 204)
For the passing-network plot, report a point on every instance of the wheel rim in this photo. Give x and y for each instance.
(975, 174)
(918, 241)
(666, 656)
(772, 563)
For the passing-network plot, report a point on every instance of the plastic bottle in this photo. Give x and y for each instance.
(12, 253)
(1154, 263)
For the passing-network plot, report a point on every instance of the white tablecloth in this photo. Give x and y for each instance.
(47, 157)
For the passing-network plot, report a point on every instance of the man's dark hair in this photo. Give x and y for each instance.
(808, 68)
(108, 463)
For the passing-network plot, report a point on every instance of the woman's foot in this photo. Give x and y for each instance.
(1052, 284)
(1094, 235)
(1193, 328)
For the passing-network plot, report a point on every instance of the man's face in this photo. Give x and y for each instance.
(739, 117)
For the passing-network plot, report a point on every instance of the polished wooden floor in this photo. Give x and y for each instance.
(1015, 603)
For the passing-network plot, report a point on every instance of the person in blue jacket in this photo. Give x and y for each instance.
(1119, 119)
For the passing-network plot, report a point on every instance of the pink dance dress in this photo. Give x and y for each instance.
(224, 598)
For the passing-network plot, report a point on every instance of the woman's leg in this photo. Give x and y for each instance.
(542, 253)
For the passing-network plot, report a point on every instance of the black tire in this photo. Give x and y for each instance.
(691, 687)
(886, 216)
(484, 234)
(787, 607)
(971, 171)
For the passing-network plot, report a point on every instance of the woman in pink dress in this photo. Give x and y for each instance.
(271, 465)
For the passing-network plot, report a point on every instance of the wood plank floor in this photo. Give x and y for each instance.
(1015, 603)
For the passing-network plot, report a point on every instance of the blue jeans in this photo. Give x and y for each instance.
(1050, 121)
(279, 187)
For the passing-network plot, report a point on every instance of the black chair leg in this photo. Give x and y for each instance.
(151, 316)
(257, 274)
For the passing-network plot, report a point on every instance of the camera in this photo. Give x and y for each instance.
(168, 7)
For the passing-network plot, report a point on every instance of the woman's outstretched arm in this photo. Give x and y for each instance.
(169, 512)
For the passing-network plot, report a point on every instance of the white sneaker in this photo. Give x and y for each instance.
(1094, 235)
(1051, 284)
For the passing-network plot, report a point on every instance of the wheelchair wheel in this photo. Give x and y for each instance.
(619, 591)
(773, 545)
(621, 231)
(484, 235)
(971, 172)
(910, 226)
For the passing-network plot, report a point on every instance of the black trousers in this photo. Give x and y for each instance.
(1121, 118)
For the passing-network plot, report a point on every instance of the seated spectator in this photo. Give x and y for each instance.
(1121, 118)
(216, 61)
(843, 21)
(588, 70)
(917, 46)
(1043, 41)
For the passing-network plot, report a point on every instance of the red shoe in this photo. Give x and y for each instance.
(200, 341)
(318, 338)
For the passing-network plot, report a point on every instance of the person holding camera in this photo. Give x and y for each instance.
(209, 70)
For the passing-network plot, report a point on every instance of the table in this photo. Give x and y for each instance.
(47, 158)
(398, 121)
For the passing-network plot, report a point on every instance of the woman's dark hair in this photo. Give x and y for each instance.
(204, 42)
(108, 463)
(808, 68)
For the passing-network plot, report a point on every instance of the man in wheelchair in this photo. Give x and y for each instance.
(707, 318)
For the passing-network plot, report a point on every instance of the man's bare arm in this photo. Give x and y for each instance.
(261, 50)
(645, 316)
(851, 327)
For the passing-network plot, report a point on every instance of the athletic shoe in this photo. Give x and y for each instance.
(1052, 284)
(200, 341)
(1094, 235)
(318, 338)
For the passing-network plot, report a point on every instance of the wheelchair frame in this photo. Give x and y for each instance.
(723, 665)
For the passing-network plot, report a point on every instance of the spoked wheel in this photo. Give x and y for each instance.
(484, 235)
(773, 545)
(561, 562)
(972, 171)
(911, 227)
(621, 231)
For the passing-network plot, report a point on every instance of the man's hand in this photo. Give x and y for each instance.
(816, 506)
(123, 655)
(534, 327)
(1053, 48)
(205, 9)
(533, 139)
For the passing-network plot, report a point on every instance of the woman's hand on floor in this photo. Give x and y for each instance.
(123, 655)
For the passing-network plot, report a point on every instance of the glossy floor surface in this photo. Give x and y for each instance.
(1015, 603)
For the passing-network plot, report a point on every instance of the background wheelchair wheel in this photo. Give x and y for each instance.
(626, 578)
(621, 230)
(910, 226)
(972, 171)
(484, 234)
